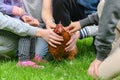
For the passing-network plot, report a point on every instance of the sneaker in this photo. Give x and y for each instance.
(38, 59)
(28, 64)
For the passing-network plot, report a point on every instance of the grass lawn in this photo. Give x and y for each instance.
(64, 70)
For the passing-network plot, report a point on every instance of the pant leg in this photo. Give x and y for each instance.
(8, 43)
(110, 65)
(32, 47)
(65, 11)
(24, 48)
(41, 47)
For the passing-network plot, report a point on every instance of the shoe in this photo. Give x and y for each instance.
(28, 64)
(38, 59)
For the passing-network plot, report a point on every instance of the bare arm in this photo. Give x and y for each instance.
(47, 13)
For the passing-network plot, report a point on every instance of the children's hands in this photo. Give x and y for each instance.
(73, 27)
(72, 42)
(30, 20)
(17, 11)
(93, 69)
(48, 35)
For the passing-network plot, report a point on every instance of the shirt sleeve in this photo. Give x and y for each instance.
(90, 20)
(88, 31)
(107, 24)
(6, 9)
(16, 26)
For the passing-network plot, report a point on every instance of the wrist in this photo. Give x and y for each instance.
(47, 20)
(78, 34)
(78, 24)
(39, 32)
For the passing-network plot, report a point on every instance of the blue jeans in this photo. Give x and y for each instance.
(41, 47)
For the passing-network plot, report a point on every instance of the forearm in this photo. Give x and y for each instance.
(47, 10)
(109, 18)
(16, 26)
(90, 20)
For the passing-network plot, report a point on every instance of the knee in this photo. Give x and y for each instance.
(6, 49)
(7, 46)
(103, 74)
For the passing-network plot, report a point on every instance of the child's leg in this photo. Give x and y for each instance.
(8, 43)
(41, 49)
(32, 47)
(24, 53)
(24, 48)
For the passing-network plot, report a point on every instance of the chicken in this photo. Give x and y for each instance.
(59, 53)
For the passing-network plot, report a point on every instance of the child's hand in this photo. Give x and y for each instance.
(30, 20)
(50, 24)
(17, 11)
(73, 27)
(35, 22)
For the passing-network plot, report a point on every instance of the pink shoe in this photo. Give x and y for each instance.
(28, 64)
(38, 59)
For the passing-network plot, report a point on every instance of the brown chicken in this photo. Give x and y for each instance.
(59, 53)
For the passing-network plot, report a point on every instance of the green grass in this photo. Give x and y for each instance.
(64, 70)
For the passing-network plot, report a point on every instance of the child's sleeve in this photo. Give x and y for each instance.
(22, 6)
(107, 24)
(16, 26)
(90, 20)
(88, 31)
(5, 9)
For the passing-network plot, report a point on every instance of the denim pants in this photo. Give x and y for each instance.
(41, 46)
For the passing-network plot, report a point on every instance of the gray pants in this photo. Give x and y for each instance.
(8, 43)
(24, 48)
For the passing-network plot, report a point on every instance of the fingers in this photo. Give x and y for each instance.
(70, 47)
(93, 69)
(69, 28)
(31, 21)
(55, 39)
(28, 19)
(51, 25)
(96, 70)
(35, 22)
(50, 43)
(72, 30)
(52, 38)
(71, 43)
(96, 67)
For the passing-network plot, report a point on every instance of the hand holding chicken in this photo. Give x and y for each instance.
(59, 52)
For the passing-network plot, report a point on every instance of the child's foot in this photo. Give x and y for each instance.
(28, 64)
(38, 59)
